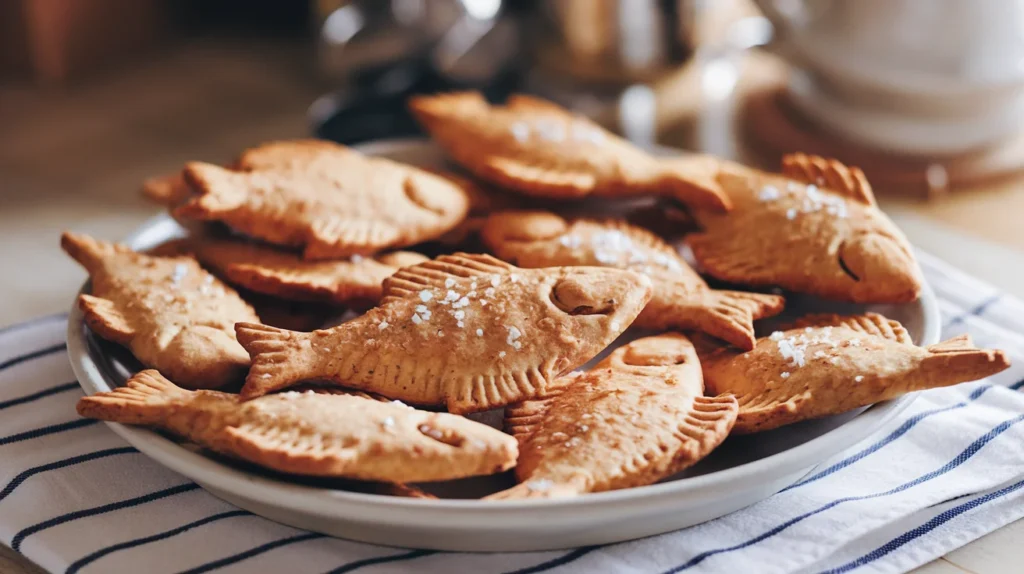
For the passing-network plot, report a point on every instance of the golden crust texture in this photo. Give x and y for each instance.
(171, 314)
(830, 364)
(538, 148)
(466, 331)
(638, 417)
(311, 433)
(264, 269)
(814, 230)
(331, 201)
(681, 299)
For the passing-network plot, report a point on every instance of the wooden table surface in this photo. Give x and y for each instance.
(74, 161)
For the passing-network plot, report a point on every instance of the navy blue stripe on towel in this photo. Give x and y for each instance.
(351, 566)
(17, 480)
(47, 430)
(102, 552)
(925, 528)
(120, 505)
(253, 552)
(891, 437)
(556, 562)
(32, 323)
(33, 355)
(38, 395)
(960, 459)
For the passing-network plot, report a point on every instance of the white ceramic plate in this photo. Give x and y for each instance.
(742, 471)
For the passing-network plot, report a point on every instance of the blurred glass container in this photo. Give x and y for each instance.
(616, 42)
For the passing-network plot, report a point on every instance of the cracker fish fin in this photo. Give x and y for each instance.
(767, 410)
(266, 443)
(958, 360)
(703, 427)
(557, 183)
(830, 174)
(726, 315)
(279, 358)
(434, 272)
(694, 181)
(103, 317)
(147, 398)
(442, 106)
(220, 190)
(868, 323)
(169, 190)
(335, 238)
(523, 419)
(89, 252)
(730, 259)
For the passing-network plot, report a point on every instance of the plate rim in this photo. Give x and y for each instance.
(322, 501)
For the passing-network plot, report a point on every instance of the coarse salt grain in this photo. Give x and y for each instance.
(416, 319)
(356, 258)
(791, 213)
(389, 422)
(495, 280)
(382, 325)
(858, 378)
(784, 374)
(540, 485)
(426, 295)
(265, 376)
(520, 131)
(479, 332)
(768, 193)
(615, 325)
(501, 354)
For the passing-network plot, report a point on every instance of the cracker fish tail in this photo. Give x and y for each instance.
(150, 399)
(280, 358)
(957, 360)
(726, 315)
(536, 488)
(88, 252)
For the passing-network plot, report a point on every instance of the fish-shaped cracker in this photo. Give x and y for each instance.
(264, 269)
(330, 200)
(830, 364)
(538, 148)
(681, 299)
(310, 433)
(814, 229)
(467, 331)
(171, 314)
(637, 417)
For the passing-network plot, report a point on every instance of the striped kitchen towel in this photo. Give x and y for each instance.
(75, 498)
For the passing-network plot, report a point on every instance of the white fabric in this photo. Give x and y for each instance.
(949, 470)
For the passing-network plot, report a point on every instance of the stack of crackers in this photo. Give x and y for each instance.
(521, 295)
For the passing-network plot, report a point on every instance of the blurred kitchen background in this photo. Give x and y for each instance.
(97, 95)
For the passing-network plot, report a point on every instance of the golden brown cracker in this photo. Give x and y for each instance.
(332, 201)
(172, 314)
(315, 434)
(835, 364)
(538, 148)
(681, 299)
(467, 331)
(637, 417)
(828, 240)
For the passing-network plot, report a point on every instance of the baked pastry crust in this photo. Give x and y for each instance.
(172, 314)
(637, 417)
(328, 199)
(535, 147)
(681, 299)
(467, 331)
(814, 229)
(313, 433)
(831, 364)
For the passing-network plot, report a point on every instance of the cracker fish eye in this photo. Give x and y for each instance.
(578, 297)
